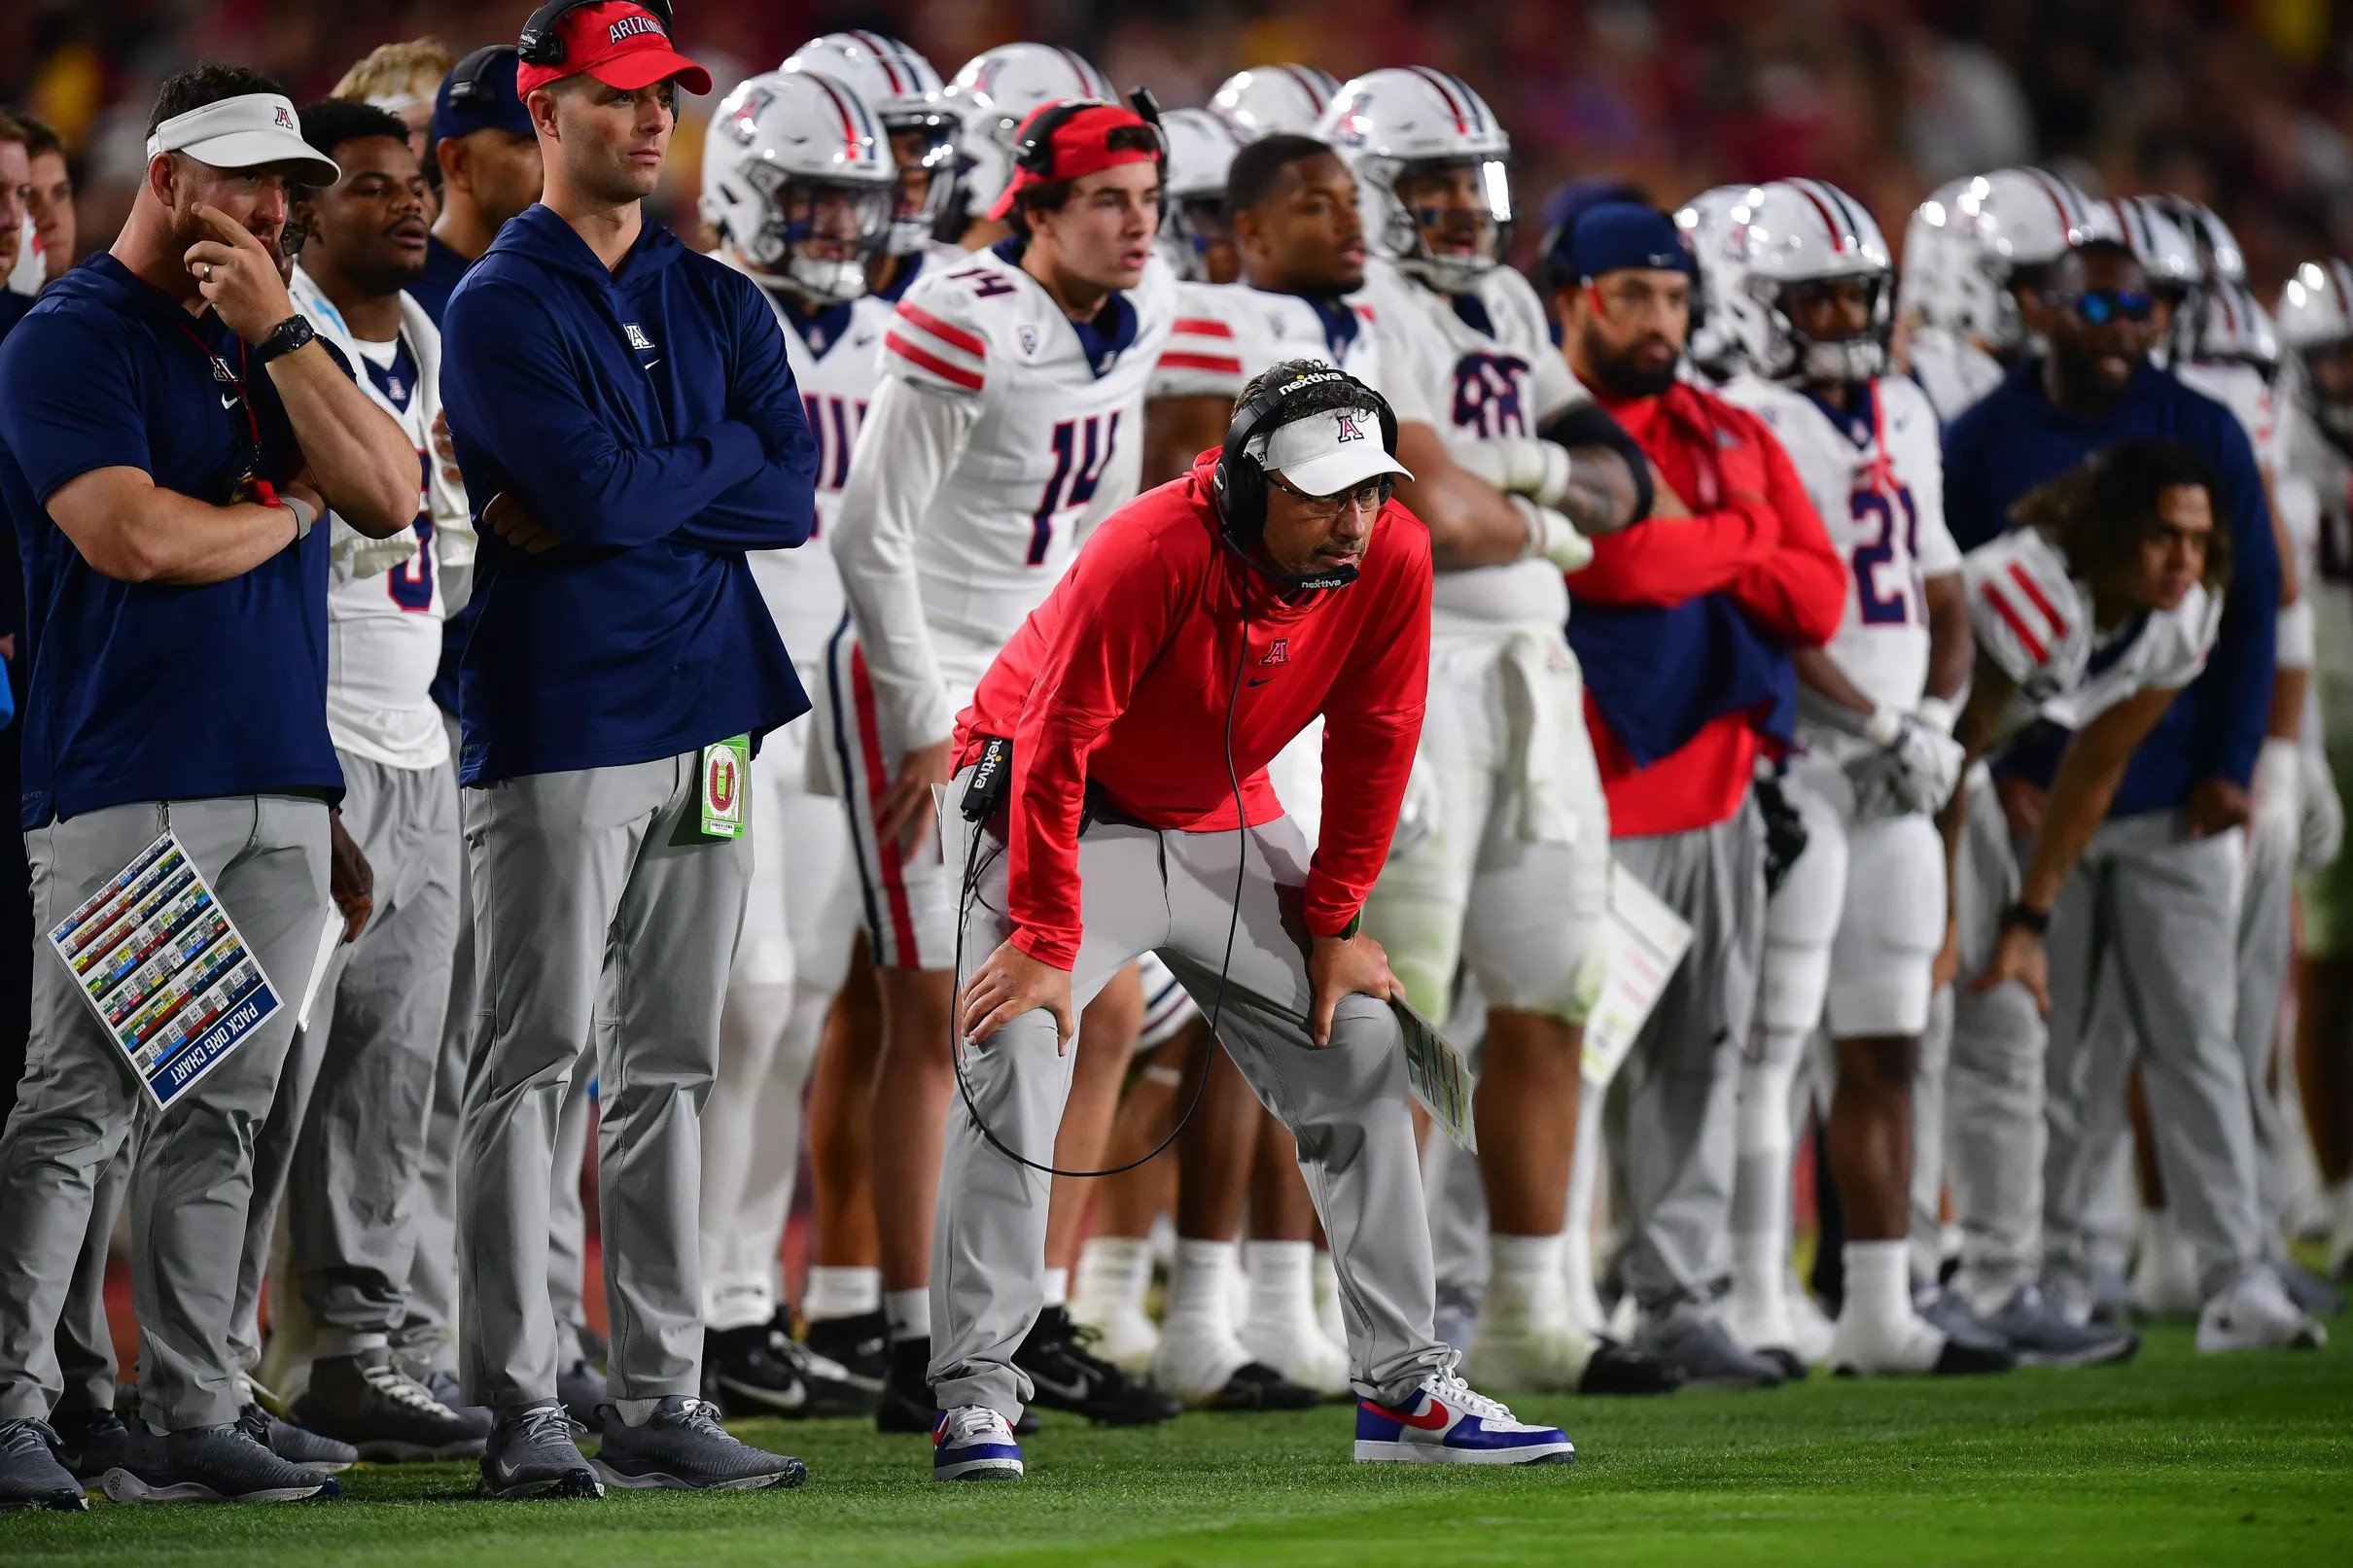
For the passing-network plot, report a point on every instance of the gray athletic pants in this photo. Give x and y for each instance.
(191, 1178)
(345, 1139)
(577, 876)
(85, 1340)
(427, 1339)
(1978, 1101)
(1683, 1074)
(2161, 907)
(1145, 890)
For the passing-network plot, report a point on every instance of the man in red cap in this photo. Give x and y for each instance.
(1009, 420)
(628, 426)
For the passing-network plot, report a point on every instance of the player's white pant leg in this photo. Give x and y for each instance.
(1894, 923)
(1167, 1008)
(1451, 1186)
(908, 898)
(1994, 1127)
(1415, 909)
(2264, 951)
(1801, 923)
(1925, 1229)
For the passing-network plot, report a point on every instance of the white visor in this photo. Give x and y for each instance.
(254, 132)
(1330, 453)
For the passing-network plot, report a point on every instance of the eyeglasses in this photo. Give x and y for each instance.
(2098, 307)
(1370, 495)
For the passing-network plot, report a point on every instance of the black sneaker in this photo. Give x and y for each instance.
(297, 1445)
(907, 1396)
(860, 1346)
(366, 1401)
(531, 1453)
(758, 1371)
(1066, 1375)
(1621, 1369)
(211, 1464)
(90, 1442)
(1708, 1357)
(1258, 1387)
(682, 1448)
(30, 1473)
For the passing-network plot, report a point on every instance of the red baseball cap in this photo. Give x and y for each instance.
(1081, 145)
(621, 45)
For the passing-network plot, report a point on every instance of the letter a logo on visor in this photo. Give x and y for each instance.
(1348, 427)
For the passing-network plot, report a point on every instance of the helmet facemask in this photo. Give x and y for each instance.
(1465, 202)
(1789, 352)
(818, 234)
(925, 141)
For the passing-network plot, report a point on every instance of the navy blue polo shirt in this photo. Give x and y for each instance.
(142, 692)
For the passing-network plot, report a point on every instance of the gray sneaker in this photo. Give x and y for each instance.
(581, 1389)
(530, 1453)
(2315, 1296)
(682, 1448)
(1707, 1356)
(367, 1401)
(1947, 1313)
(30, 1476)
(211, 1464)
(297, 1445)
(2043, 1336)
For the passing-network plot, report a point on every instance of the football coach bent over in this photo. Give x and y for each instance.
(624, 412)
(1197, 633)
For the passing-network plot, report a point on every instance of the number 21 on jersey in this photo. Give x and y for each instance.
(1875, 513)
(1083, 451)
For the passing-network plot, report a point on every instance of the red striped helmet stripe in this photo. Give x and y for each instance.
(880, 49)
(1308, 85)
(1454, 106)
(1838, 233)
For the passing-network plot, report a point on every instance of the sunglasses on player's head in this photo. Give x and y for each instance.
(2098, 307)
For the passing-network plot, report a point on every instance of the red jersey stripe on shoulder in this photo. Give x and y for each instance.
(1201, 326)
(1221, 363)
(2016, 623)
(969, 380)
(955, 336)
(2037, 599)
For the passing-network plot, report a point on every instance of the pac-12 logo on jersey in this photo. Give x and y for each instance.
(1488, 395)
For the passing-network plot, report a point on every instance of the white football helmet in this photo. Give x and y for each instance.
(1201, 149)
(1719, 332)
(798, 177)
(1393, 125)
(1268, 98)
(2217, 254)
(2225, 324)
(905, 95)
(2316, 314)
(1792, 232)
(999, 89)
(2163, 247)
(1969, 239)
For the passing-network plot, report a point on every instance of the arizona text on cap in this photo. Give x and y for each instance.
(251, 131)
(621, 45)
(1330, 453)
(1081, 146)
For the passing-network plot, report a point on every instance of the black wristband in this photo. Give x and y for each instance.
(2037, 921)
(287, 335)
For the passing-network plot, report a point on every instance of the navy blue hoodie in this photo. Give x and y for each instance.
(647, 417)
(2016, 437)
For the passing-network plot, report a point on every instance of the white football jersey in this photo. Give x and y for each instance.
(2315, 485)
(1875, 476)
(1474, 366)
(1226, 334)
(836, 358)
(2034, 621)
(1057, 441)
(1951, 370)
(384, 630)
(2247, 393)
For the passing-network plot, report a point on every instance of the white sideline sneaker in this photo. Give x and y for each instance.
(2256, 1314)
(1447, 1423)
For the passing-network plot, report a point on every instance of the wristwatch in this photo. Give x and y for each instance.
(2027, 916)
(292, 334)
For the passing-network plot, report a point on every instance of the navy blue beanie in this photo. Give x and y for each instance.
(1612, 236)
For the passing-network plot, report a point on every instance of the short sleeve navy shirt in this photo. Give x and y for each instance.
(141, 693)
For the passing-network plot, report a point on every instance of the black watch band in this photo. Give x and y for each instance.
(292, 334)
(2037, 921)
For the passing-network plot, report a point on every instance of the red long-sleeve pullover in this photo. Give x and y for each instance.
(1124, 673)
(1753, 534)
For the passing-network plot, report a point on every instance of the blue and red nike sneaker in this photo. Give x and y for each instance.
(973, 1443)
(1447, 1423)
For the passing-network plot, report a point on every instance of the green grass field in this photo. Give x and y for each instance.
(2172, 1459)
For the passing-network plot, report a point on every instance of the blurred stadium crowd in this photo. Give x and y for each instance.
(2245, 105)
